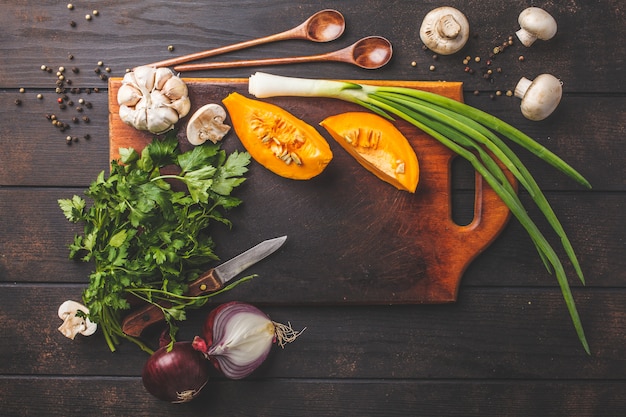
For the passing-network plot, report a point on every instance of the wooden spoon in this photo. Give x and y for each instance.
(323, 26)
(369, 53)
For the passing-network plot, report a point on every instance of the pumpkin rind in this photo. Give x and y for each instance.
(378, 146)
(278, 140)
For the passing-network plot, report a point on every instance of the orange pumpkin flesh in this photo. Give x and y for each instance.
(377, 145)
(278, 140)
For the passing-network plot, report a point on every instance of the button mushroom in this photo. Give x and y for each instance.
(444, 30)
(152, 99)
(74, 316)
(535, 24)
(540, 97)
(207, 123)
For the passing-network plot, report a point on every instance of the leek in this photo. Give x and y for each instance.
(470, 133)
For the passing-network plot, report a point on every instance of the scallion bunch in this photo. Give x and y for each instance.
(470, 133)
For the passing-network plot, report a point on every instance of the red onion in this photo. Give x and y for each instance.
(177, 375)
(238, 338)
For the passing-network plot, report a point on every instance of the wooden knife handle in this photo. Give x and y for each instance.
(138, 320)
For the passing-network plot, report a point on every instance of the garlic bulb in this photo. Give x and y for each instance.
(152, 99)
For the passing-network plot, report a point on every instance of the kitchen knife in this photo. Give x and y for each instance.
(212, 280)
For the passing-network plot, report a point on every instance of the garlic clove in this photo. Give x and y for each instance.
(182, 106)
(161, 119)
(161, 76)
(134, 117)
(144, 77)
(207, 123)
(128, 95)
(174, 88)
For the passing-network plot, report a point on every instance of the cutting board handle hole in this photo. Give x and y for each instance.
(462, 191)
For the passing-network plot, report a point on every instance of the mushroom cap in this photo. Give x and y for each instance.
(444, 30)
(540, 97)
(535, 24)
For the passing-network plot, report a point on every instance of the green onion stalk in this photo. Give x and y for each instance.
(469, 132)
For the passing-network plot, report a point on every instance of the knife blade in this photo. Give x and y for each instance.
(212, 280)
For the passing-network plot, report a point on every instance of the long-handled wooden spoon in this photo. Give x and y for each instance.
(369, 53)
(323, 26)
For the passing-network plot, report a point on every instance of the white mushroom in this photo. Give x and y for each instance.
(207, 123)
(444, 30)
(152, 99)
(75, 322)
(535, 24)
(540, 97)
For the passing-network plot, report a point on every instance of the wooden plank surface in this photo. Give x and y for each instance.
(504, 348)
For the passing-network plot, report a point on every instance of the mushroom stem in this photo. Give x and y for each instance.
(522, 87)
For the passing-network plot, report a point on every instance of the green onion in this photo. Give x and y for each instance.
(469, 132)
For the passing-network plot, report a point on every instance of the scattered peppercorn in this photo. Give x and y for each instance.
(87, 17)
(22, 90)
(39, 96)
(432, 68)
(18, 102)
(170, 48)
(75, 70)
(95, 13)
(70, 6)
(72, 23)
(521, 58)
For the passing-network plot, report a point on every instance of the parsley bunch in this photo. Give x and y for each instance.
(147, 229)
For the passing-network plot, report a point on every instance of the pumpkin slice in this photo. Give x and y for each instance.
(278, 140)
(377, 145)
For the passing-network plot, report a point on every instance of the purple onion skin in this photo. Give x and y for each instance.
(214, 332)
(176, 376)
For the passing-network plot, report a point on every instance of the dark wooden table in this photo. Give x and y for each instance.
(505, 348)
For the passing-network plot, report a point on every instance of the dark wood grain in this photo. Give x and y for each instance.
(505, 348)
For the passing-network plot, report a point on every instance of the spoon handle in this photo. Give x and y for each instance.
(288, 34)
(256, 62)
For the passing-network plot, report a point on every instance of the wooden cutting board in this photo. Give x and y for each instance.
(351, 237)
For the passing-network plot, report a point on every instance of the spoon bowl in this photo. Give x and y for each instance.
(323, 26)
(371, 53)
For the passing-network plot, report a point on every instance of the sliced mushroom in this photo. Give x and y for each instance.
(207, 123)
(444, 30)
(75, 322)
